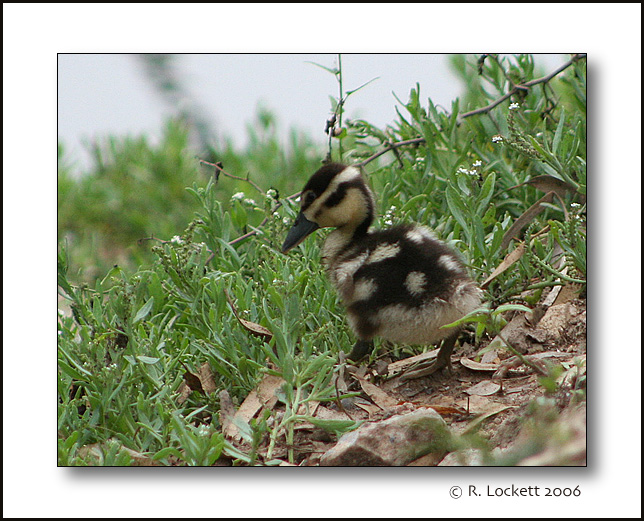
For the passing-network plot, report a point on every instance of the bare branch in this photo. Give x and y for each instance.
(483, 110)
(522, 87)
(221, 170)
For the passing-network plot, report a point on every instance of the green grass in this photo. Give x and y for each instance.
(135, 329)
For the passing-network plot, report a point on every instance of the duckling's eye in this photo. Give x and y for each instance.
(308, 198)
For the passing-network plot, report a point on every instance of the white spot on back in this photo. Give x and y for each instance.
(420, 234)
(364, 289)
(383, 252)
(342, 273)
(450, 264)
(415, 283)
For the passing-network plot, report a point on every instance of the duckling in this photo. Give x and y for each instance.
(400, 284)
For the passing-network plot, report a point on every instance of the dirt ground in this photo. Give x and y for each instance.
(518, 414)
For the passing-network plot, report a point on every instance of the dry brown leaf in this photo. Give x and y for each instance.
(491, 357)
(446, 410)
(403, 365)
(184, 391)
(525, 219)
(509, 260)
(536, 359)
(207, 379)
(264, 396)
(484, 388)
(324, 413)
(254, 402)
(379, 397)
(484, 408)
(226, 414)
(192, 380)
(517, 333)
(548, 183)
(251, 327)
(369, 408)
(568, 292)
(308, 408)
(478, 366)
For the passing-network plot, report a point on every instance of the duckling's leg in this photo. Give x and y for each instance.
(360, 349)
(443, 359)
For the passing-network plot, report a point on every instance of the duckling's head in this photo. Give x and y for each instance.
(336, 196)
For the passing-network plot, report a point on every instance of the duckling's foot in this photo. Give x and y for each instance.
(425, 370)
(361, 349)
(443, 360)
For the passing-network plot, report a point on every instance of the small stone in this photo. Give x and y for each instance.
(394, 442)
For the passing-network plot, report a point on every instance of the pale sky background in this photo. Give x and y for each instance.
(103, 94)
(34, 34)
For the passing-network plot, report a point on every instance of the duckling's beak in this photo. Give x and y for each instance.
(300, 230)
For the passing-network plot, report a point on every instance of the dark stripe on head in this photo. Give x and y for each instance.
(320, 181)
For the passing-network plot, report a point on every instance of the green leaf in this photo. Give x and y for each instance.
(559, 132)
(333, 71)
(336, 426)
(510, 307)
(349, 92)
(70, 371)
(457, 207)
(143, 312)
(487, 190)
(148, 359)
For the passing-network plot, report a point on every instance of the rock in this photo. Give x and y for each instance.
(394, 442)
(463, 458)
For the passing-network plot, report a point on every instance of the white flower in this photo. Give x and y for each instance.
(238, 196)
(497, 139)
(176, 240)
(249, 202)
(271, 193)
(514, 106)
(477, 163)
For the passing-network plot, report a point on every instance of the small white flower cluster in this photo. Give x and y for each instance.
(473, 172)
(203, 430)
(176, 240)
(241, 197)
(388, 218)
(497, 139)
(419, 164)
(271, 193)
(110, 368)
(514, 106)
